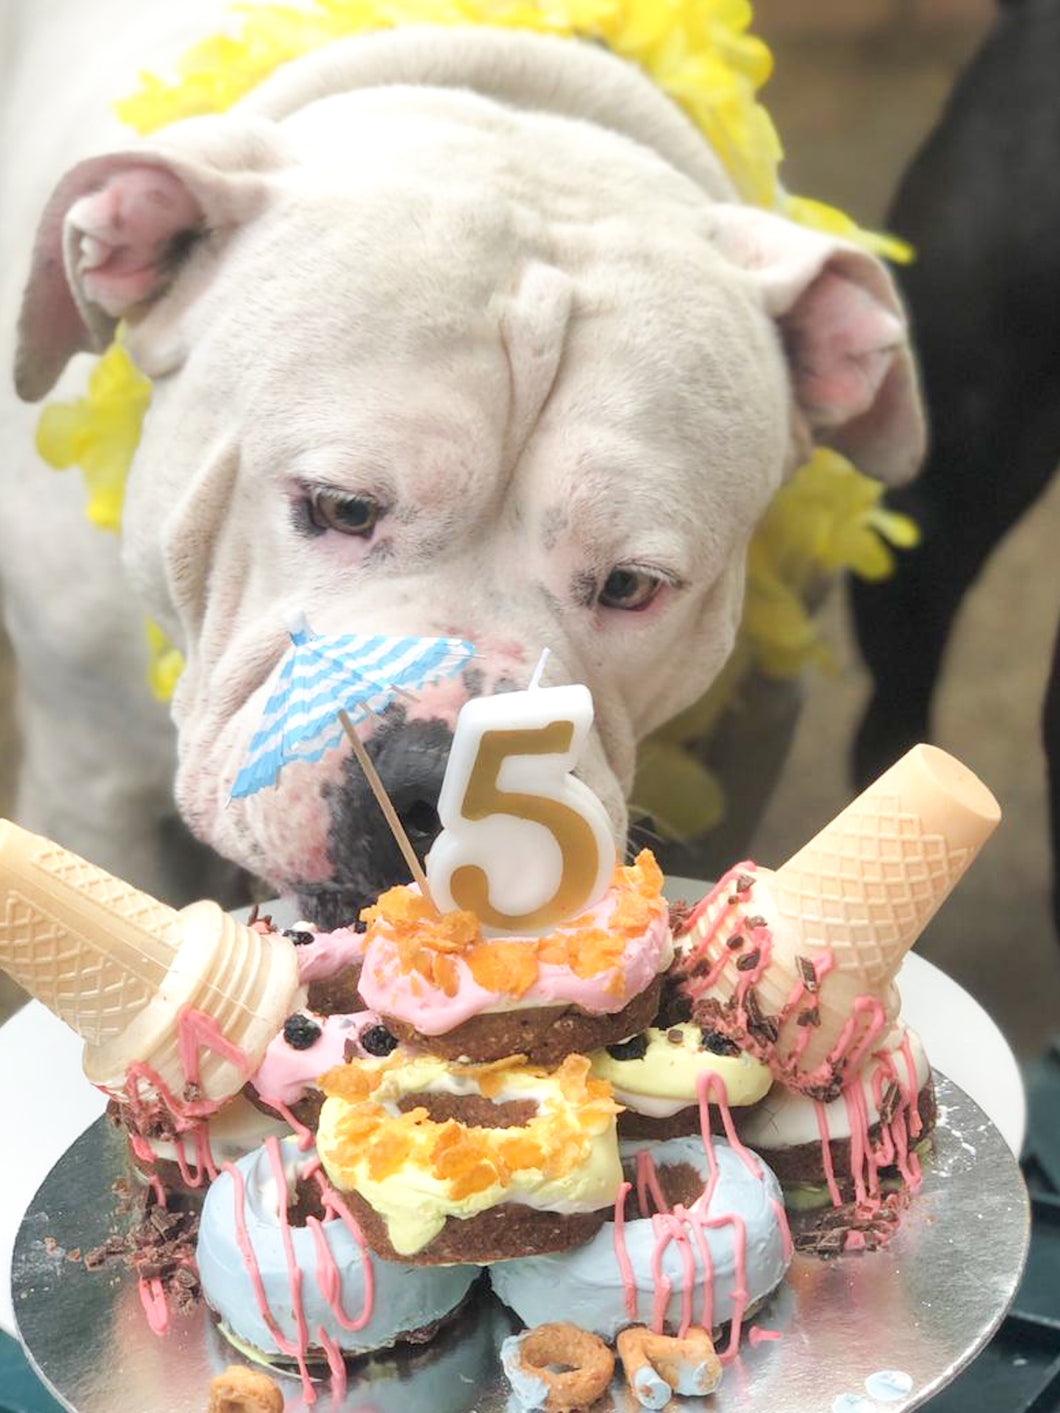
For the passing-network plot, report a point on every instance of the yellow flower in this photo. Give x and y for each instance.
(166, 664)
(99, 432)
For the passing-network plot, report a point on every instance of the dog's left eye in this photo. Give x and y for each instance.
(629, 588)
(349, 515)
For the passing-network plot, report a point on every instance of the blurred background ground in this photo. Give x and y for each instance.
(856, 89)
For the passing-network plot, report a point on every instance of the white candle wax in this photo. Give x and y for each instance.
(523, 844)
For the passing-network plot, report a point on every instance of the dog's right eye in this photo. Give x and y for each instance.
(349, 515)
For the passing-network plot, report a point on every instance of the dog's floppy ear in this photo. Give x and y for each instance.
(118, 229)
(844, 334)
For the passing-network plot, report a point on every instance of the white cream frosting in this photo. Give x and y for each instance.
(663, 1081)
(785, 1119)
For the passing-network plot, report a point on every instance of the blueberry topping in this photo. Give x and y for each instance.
(377, 1040)
(719, 1044)
(633, 1049)
(300, 939)
(300, 1032)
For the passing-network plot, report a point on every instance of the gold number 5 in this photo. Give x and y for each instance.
(574, 835)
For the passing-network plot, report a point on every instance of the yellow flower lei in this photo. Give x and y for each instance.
(700, 53)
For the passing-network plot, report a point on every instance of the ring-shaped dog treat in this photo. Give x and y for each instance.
(529, 1359)
(470, 1162)
(612, 1281)
(299, 1283)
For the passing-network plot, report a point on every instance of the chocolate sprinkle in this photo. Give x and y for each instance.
(809, 975)
(765, 1029)
(757, 921)
(749, 960)
(744, 883)
(736, 942)
(675, 1037)
(811, 1017)
(299, 937)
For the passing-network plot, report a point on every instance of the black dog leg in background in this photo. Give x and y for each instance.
(981, 204)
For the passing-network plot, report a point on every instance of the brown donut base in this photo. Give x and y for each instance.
(337, 995)
(438, 1333)
(546, 1035)
(497, 1234)
(683, 1124)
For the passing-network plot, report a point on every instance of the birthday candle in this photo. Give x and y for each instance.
(523, 844)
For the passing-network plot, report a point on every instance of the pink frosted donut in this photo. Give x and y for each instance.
(433, 976)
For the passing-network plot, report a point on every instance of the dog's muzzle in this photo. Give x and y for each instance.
(411, 758)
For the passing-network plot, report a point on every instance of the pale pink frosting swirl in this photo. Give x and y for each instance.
(411, 998)
(329, 953)
(286, 1073)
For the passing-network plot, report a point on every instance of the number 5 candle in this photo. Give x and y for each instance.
(523, 844)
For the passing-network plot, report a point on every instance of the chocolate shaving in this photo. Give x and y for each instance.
(749, 960)
(744, 883)
(889, 1103)
(757, 921)
(765, 1029)
(192, 1093)
(809, 975)
(810, 1017)
(735, 942)
(679, 912)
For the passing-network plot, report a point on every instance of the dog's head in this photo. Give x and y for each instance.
(428, 364)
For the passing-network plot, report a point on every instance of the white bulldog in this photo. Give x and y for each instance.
(452, 331)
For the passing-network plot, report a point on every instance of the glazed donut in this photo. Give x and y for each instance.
(610, 1282)
(858, 1146)
(557, 1367)
(323, 1295)
(329, 966)
(306, 1047)
(470, 1162)
(654, 1077)
(442, 986)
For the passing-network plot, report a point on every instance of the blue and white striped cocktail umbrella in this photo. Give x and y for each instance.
(322, 675)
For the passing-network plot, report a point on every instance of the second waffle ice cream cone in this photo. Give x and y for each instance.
(181, 995)
(798, 965)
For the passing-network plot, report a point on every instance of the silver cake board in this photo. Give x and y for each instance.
(873, 1332)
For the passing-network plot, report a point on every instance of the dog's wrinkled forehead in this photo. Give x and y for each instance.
(451, 345)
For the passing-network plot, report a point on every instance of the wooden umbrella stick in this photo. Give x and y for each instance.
(385, 804)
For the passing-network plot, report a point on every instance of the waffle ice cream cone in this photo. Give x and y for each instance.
(835, 922)
(127, 972)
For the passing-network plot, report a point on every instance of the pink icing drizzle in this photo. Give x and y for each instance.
(327, 1274)
(153, 1299)
(618, 1236)
(757, 1335)
(855, 1039)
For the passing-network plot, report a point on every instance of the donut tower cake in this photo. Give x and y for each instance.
(523, 1072)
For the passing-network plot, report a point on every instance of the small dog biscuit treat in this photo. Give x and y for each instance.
(659, 1366)
(243, 1390)
(528, 1359)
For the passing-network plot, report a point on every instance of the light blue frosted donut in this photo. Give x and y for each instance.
(584, 1285)
(406, 1297)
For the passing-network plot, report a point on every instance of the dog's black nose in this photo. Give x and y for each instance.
(411, 758)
